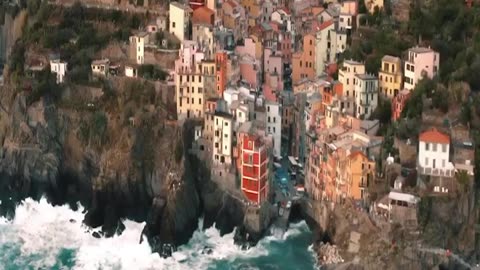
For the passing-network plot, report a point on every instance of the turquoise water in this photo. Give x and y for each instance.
(291, 253)
(45, 237)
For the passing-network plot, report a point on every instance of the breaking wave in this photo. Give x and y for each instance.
(42, 236)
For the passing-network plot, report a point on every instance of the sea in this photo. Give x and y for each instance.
(42, 236)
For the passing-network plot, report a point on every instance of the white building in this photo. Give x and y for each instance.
(421, 62)
(366, 95)
(131, 71)
(328, 44)
(283, 17)
(59, 68)
(179, 17)
(274, 124)
(434, 154)
(222, 138)
(137, 43)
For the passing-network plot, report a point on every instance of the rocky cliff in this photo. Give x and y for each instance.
(118, 166)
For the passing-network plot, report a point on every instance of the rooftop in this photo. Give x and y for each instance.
(366, 76)
(434, 136)
(352, 62)
(180, 6)
(420, 50)
(223, 114)
(390, 59)
(101, 62)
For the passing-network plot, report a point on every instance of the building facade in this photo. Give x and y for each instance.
(390, 76)
(434, 154)
(366, 95)
(59, 68)
(254, 168)
(421, 62)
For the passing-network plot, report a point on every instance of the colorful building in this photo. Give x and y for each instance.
(421, 62)
(254, 167)
(390, 76)
(303, 63)
(398, 104)
(221, 59)
(366, 95)
(179, 18)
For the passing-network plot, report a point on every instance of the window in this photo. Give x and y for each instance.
(426, 161)
(427, 146)
(173, 24)
(443, 163)
(200, 101)
(226, 124)
(444, 148)
(434, 147)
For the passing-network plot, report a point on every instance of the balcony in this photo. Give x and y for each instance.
(444, 172)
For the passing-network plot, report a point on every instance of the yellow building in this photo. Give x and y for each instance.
(390, 76)
(360, 173)
(253, 9)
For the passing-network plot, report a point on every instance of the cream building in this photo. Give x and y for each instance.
(222, 138)
(390, 76)
(346, 76)
(137, 46)
(190, 95)
(179, 16)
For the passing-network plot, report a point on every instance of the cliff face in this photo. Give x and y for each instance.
(141, 172)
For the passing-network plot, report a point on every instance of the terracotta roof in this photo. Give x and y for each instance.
(203, 15)
(316, 26)
(434, 136)
(357, 153)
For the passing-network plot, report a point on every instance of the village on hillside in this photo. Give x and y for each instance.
(295, 104)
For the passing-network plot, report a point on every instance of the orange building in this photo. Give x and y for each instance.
(221, 59)
(303, 63)
(361, 171)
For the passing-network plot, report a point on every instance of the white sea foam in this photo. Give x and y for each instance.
(42, 229)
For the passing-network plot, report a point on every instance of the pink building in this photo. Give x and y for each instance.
(273, 70)
(421, 62)
(249, 48)
(250, 71)
(189, 55)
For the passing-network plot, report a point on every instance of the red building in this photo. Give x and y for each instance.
(398, 103)
(221, 59)
(254, 168)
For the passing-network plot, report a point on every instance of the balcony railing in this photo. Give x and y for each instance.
(436, 171)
